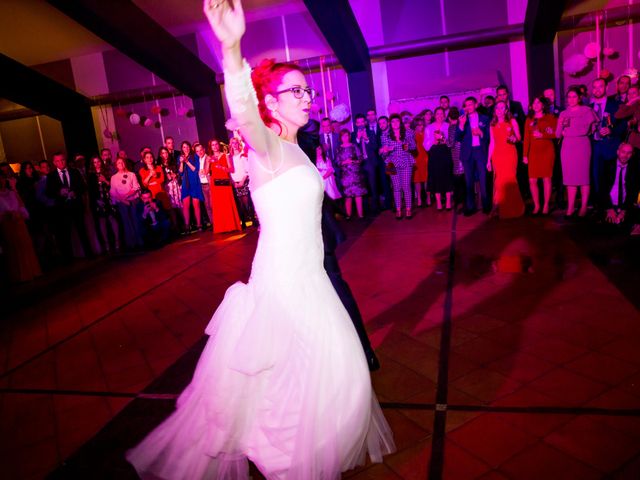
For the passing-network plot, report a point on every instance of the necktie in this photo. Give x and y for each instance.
(621, 187)
(65, 181)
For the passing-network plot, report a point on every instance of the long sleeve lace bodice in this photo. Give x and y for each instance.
(269, 155)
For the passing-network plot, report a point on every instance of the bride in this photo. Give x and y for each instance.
(283, 380)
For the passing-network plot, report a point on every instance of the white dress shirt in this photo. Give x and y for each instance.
(474, 122)
(621, 170)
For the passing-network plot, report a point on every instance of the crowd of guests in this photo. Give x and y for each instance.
(494, 157)
(490, 156)
(67, 208)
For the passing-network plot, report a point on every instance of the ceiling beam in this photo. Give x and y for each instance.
(124, 25)
(129, 29)
(31, 89)
(340, 28)
(542, 22)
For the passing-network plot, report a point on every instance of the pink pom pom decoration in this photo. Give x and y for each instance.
(134, 119)
(592, 50)
(148, 122)
(608, 51)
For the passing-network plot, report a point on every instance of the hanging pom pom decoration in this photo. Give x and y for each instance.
(605, 74)
(340, 113)
(330, 96)
(134, 119)
(120, 112)
(576, 64)
(591, 50)
(182, 111)
(107, 133)
(631, 72)
(157, 124)
(156, 110)
(608, 51)
(190, 113)
(164, 112)
(148, 122)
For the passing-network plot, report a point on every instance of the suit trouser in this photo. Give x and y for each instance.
(372, 174)
(475, 166)
(603, 151)
(206, 192)
(65, 218)
(341, 287)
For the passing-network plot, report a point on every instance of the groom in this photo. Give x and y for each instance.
(332, 235)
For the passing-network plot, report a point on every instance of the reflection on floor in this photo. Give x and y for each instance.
(509, 350)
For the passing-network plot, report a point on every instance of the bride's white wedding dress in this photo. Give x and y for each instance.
(283, 380)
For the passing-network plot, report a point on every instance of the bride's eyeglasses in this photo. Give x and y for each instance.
(298, 92)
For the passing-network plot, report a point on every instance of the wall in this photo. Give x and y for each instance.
(418, 80)
(624, 39)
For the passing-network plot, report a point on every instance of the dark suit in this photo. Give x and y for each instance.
(332, 236)
(474, 160)
(631, 182)
(68, 212)
(604, 149)
(384, 181)
(372, 165)
(330, 148)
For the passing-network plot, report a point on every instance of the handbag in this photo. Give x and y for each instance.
(221, 182)
(390, 169)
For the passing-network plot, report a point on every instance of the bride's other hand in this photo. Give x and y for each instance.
(226, 18)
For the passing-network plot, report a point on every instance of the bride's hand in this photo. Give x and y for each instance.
(226, 18)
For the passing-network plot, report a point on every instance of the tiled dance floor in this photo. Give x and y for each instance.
(509, 350)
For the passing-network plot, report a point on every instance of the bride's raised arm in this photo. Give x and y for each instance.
(226, 18)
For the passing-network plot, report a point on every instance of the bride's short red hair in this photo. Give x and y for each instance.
(266, 78)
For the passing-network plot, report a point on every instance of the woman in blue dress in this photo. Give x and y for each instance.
(191, 187)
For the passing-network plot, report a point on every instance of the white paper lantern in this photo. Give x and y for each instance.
(340, 113)
(592, 50)
(134, 119)
(575, 64)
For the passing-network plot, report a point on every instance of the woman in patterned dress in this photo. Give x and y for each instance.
(352, 180)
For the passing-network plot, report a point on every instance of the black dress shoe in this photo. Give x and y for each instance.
(372, 361)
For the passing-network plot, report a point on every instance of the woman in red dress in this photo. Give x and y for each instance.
(539, 151)
(503, 160)
(223, 204)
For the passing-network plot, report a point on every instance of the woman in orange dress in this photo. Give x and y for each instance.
(422, 160)
(503, 160)
(223, 204)
(539, 150)
(152, 177)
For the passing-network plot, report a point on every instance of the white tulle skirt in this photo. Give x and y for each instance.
(283, 382)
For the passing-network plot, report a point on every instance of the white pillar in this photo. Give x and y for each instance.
(516, 10)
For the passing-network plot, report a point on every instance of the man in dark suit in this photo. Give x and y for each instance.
(65, 186)
(619, 186)
(368, 144)
(332, 236)
(502, 95)
(554, 108)
(329, 140)
(473, 135)
(622, 89)
(609, 132)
